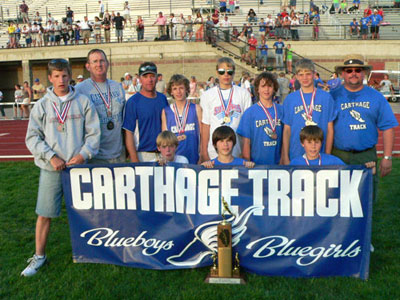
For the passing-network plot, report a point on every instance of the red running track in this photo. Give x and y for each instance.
(12, 140)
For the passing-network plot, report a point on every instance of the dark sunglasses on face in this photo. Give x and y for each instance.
(349, 71)
(223, 71)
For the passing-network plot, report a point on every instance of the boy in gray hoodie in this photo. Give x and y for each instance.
(63, 130)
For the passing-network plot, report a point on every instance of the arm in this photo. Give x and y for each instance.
(329, 139)
(246, 148)
(130, 146)
(205, 136)
(163, 121)
(199, 112)
(285, 145)
(385, 166)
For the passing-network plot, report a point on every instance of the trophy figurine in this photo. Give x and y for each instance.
(223, 273)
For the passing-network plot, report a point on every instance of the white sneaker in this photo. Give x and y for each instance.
(34, 265)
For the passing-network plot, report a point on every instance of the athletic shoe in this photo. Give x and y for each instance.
(35, 263)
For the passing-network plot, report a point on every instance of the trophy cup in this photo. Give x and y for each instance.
(223, 273)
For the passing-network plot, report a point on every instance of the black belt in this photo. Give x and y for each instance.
(357, 151)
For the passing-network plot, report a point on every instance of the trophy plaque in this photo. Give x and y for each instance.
(223, 273)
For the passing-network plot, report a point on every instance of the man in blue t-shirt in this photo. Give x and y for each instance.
(279, 46)
(354, 27)
(262, 55)
(364, 26)
(375, 21)
(142, 121)
(361, 112)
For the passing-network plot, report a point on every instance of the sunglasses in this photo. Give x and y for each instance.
(58, 61)
(223, 71)
(148, 68)
(349, 71)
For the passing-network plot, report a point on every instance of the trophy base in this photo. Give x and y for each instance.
(225, 280)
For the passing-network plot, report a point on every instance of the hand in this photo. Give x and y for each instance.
(372, 165)
(57, 163)
(249, 164)
(76, 160)
(385, 167)
(162, 161)
(208, 164)
(284, 161)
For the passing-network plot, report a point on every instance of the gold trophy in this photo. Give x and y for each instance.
(223, 273)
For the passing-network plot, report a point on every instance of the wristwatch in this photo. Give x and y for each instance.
(387, 157)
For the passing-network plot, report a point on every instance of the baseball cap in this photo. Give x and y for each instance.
(37, 80)
(127, 74)
(147, 67)
(79, 77)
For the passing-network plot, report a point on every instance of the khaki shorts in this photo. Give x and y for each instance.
(86, 34)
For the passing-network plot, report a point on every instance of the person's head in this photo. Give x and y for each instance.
(385, 76)
(178, 87)
(167, 142)
(17, 87)
(226, 18)
(37, 81)
(225, 71)
(172, 15)
(353, 71)
(305, 70)
(311, 138)
(224, 139)
(59, 74)
(69, 8)
(265, 86)
(316, 74)
(96, 19)
(288, 46)
(148, 76)
(97, 64)
(211, 79)
(280, 39)
(79, 78)
(198, 14)
(26, 84)
(159, 77)
(334, 75)
(160, 13)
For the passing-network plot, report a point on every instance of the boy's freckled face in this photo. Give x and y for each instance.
(224, 147)
(167, 151)
(312, 148)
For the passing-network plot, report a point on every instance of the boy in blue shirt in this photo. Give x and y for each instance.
(224, 138)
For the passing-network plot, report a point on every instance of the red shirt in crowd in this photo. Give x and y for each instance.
(252, 43)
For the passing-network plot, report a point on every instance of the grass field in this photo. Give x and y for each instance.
(61, 278)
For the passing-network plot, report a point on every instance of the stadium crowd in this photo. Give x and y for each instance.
(227, 127)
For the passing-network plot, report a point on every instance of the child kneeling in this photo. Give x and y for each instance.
(167, 142)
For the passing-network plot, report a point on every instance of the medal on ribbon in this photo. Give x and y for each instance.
(181, 122)
(61, 116)
(107, 102)
(227, 117)
(308, 163)
(309, 111)
(272, 122)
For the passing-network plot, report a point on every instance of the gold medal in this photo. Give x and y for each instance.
(310, 122)
(273, 136)
(181, 137)
(60, 127)
(227, 119)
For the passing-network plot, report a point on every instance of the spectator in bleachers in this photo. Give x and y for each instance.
(193, 87)
(252, 48)
(306, 19)
(77, 32)
(127, 13)
(161, 22)
(292, 4)
(188, 28)
(278, 27)
(315, 30)
(262, 29)
(140, 28)
(119, 27)
(85, 29)
(263, 55)
(368, 11)
(46, 34)
(24, 9)
(101, 9)
(57, 33)
(334, 82)
(225, 24)
(35, 29)
(270, 25)
(18, 96)
(11, 34)
(386, 86)
(242, 46)
(251, 16)
(294, 24)
(38, 90)
(173, 28)
(215, 17)
(107, 27)
(279, 46)
(232, 7)
(222, 6)
(49, 18)
(356, 6)
(248, 30)
(381, 13)
(97, 29)
(210, 82)
(17, 35)
(318, 82)
(283, 86)
(199, 27)
(27, 34)
(161, 86)
(210, 39)
(289, 58)
(37, 18)
(79, 78)
(181, 26)
(286, 28)
(375, 21)
(354, 27)
(70, 15)
(364, 26)
(235, 34)
(396, 4)
(39, 40)
(343, 7)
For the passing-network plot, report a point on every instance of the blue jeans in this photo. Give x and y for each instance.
(279, 61)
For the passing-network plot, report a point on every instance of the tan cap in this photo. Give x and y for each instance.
(353, 61)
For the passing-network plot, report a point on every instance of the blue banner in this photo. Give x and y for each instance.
(289, 221)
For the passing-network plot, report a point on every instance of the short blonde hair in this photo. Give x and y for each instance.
(168, 138)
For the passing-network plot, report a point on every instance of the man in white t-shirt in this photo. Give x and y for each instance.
(386, 85)
(222, 105)
(225, 24)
